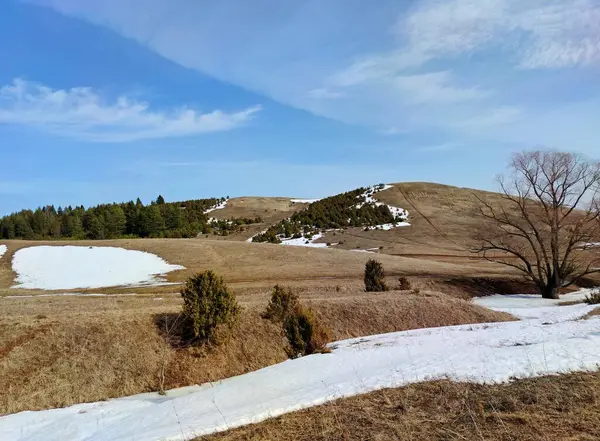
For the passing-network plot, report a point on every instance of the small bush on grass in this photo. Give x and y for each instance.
(282, 303)
(207, 305)
(404, 284)
(374, 277)
(593, 298)
(305, 334)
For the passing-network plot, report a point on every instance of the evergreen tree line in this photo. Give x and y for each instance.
(341, 211)
(223, 227)
(111, 221)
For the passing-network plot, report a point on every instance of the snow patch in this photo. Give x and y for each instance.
(588, 245)
(396, 211)
(305, 242)
(218, 206)
(304, 201)
(387, 227)
(492, 352)
(73, 267)
(3, 249)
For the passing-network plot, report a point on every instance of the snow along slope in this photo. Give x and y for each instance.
(2, 250)
(72, 267)
(304, 242)
(218, 206)
(304, 201)
(480, 353)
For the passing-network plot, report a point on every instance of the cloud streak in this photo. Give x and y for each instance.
(457, 67)
(83, 114)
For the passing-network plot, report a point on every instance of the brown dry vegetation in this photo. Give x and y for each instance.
(57, 351)
(443, 220)
(250, 264)
(565, 407)
(270, 209)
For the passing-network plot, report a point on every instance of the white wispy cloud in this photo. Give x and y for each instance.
(469, 66)
(81, 113)
(323, 93)
(437, 87)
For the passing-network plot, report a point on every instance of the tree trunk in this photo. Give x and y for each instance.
(550, 290)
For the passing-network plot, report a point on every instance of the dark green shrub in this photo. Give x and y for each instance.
(593, 298)
(374, 277)
(207, 304)
(283, 302)
(404, 284)
(305, 334)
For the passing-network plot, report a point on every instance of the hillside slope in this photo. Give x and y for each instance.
(270, 209)
(444, 220)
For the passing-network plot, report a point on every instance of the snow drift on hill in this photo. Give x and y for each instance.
(490, 352)
(218, 206)
(72, 267)
(2, 250)
(305, 242)
(303, 201)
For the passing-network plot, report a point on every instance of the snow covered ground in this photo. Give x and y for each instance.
(494, 352)
(2, 250)
(73, 267)
(304, 201)
(590, 245)
(218, 206)
(304, 242)
(369, 196)
(387, 227)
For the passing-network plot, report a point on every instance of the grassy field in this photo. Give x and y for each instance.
(259, 265)
(565, 407)
(60, 350)
(57, 351)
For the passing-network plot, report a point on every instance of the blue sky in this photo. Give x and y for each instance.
(107, 101)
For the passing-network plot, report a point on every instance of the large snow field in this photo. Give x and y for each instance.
(494, 352)
(2, 250)
(73, 267)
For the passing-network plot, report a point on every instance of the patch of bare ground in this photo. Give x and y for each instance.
(565, 407)
(594, 313)
(58, 351)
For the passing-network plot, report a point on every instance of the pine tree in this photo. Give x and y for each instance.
(114, 221)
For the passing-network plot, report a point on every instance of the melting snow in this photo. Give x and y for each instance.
(2, 250)
(369, 199)
(72, 267)
(590, 245)
(493, 352)
(304, 242)
(304, 201)
(218, 206)
(387, 227)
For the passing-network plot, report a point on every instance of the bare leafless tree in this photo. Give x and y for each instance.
(550, 210)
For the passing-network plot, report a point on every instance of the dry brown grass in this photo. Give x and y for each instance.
(564, 407)
(270, 209)
(257, 264)
(64, 350)
(443, 221)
